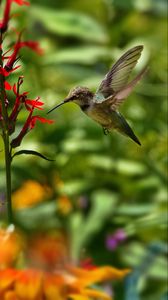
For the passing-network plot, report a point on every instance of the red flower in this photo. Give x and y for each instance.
(87, 264)
(6, 73)
(5, 20)
(6, 16)
(34, 119)
(30, 104)
(14, 57)
(33, 45)
(7, 86)
(3, 72)
(20, 98)
(30, 122)
(22, 2)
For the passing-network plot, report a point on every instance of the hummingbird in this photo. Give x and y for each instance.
(102, 106)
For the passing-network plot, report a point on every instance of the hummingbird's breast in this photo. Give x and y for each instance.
(98, 114)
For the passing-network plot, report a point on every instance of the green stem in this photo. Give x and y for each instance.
(8, 177)
(5, 135)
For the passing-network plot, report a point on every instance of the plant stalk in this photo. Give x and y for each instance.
(8, 177)
(5, 136)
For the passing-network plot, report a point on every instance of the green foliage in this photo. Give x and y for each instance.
(124, 185)
(102, 206)
(69, 23)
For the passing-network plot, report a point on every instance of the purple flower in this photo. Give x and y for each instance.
(120, 235)
(115, 239)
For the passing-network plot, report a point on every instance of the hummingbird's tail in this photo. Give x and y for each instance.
(125, 129)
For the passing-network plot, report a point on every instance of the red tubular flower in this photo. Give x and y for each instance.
(17, 141)
(3, 72)
(30, 104)
(33, 45)
(33, 103)
(17, 106)
(34, 119)
(21, 99)
(13, 58)
(6, 73)
(6, 16)
(5, 20)
(7, 86)
(22, 2)
(30, 122)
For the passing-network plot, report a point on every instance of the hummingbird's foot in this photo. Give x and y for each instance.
(105, 130)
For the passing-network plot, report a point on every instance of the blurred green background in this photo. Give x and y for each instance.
(98, 184)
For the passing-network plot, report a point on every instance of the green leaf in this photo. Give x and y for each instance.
(87, 55)
(103, 206)
(73, 145)
(33, 218)
(69, 23)
(130, 168)
(103, 162)
(134, 209)
(31, 152)
(73, 187)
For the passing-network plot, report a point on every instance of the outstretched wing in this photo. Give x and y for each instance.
(118, 75)
(121, 95)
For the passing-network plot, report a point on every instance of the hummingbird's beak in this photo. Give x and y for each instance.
(58, 105)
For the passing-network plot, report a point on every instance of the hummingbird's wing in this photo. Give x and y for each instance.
(118, 76)
(115, 101)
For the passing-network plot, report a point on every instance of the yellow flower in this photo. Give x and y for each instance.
(30, 193)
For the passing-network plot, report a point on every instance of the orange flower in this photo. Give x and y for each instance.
(9, 247)
(80, 287)
(30, 193)
(50, 276)
(29, 285)
(54, 287)
(7, 278)
(64, 205)
(36, 285)
(47, 250)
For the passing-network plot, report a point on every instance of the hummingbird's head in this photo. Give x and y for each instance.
(79, 95)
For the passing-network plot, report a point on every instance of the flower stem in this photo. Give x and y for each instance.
(5, 136)
(8, 177)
